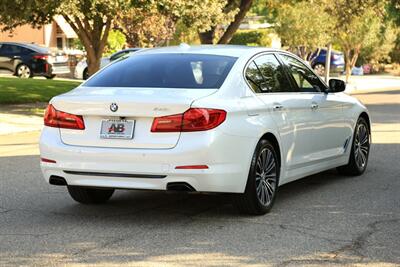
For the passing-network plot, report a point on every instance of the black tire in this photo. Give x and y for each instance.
(359, 148)
(250, 201)
(85, 74)
(87, 195)
(23, 71)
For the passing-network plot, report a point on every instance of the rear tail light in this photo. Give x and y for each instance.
(59, 119)
(43, 57)
(192, 120)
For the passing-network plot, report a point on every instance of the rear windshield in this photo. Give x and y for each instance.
(166, 71)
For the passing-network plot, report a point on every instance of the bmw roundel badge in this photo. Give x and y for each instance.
(113, 107)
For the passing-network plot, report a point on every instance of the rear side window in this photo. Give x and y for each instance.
(26, 51)
(266, 75)
(254, 77)
(165, 71)
(10, 49)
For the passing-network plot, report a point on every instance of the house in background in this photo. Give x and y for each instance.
(57, 35)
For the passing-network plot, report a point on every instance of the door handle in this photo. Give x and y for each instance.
(314, 106)
(278, 107)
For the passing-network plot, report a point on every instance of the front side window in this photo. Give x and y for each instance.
(275, 80)
(305, 79)
(166, 70)
(266, 75)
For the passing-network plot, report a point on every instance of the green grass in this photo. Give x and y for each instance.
(21, 91)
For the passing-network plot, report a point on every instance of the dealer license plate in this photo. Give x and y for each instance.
(117, 129)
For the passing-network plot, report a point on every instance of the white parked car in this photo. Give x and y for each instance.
(81, 69)
(226, 119)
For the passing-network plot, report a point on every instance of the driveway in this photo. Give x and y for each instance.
(325, 219)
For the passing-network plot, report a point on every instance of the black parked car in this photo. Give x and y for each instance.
(28, 60)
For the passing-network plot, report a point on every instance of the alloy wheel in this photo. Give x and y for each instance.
(266, 176)
(24, 71)
(361, 146)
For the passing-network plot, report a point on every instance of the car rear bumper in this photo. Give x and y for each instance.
(60, 69)
(152, 169)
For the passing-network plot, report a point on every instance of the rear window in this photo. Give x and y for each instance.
(165, 70)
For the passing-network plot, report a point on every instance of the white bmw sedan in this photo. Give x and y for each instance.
(224, 119)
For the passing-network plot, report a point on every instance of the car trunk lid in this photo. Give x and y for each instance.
(137, 105)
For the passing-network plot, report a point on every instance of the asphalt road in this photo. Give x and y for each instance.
(325, 219)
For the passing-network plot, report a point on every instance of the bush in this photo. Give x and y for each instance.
(251, 37)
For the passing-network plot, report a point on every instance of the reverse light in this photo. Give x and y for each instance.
(60, 119)
(192, 120)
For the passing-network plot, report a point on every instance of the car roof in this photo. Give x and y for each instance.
(222, 50)
(34, 47)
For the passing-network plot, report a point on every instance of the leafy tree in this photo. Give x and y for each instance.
(393, 10)
(115, 42)
(358, 25)
(90, 19)
(157, 24)
(20, 12)
(145, 27)
(378, 49)
(234, 12)
(303, 27)
(251, 37)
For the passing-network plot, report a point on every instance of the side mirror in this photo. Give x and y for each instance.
(336, 85)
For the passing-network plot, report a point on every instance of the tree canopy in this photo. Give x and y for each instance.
(304, 27)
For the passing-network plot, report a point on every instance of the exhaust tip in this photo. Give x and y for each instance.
(57, 180)
(180, 187)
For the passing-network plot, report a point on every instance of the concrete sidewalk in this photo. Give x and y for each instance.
(372, 83)
(21, 118)
(19, 123)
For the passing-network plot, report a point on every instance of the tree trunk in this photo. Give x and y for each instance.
(93, 62)
(351, 59)
(207, 37)
(348, 64)
(244, 6)
(93, 37)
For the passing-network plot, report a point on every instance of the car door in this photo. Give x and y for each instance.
(326, 120)
(5, 57)
(289, 109)
(9, 54)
